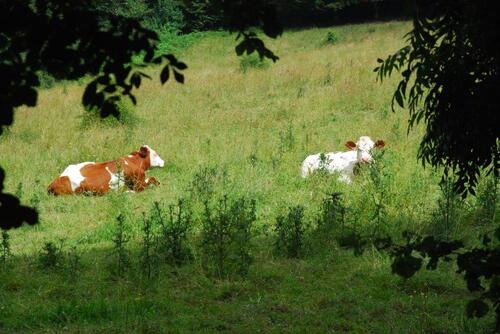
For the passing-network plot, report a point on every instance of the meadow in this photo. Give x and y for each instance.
(238, 128)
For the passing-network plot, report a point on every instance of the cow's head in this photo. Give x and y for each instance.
(363, 147)
(154, 158)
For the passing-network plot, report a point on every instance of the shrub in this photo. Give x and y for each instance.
(290, 231)
(5, 251)
(250, 61)
(203, 183)
(171, 41)
(487, 200)
(331, 220)
(46, 80)
(380, 178)
(174, 233)
(446, 216)
(120, 239)
(126, 116)
(226, 237)
(330, 38)
(51, 255)
(207, 182)
(148, 257)
(165, 14)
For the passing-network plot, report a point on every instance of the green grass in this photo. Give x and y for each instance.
(258, 126)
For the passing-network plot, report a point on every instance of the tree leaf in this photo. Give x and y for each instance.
(406, 266)
(399, 98)
(178, 77)
(165, 74)
(181, 66)
(135, 80)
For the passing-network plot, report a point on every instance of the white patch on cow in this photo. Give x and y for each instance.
(130, 156)
(117, 180)
(154, 158)
(341, 162)
(74, 175)
(126, 162)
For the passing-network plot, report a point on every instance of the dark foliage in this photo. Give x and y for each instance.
(12, 213)
(480, 266)
(450, 80)
(201, 15)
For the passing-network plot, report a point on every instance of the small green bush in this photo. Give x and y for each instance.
(446, 217)
(226, 237)
(120, 240)
(46, 80)
(252, 61)
(148, 258)
(207, 182)
(174, 232)
(330, 38)
(487, 200)
(331, 218)
(5, 251)
(51, 256)
(126, 116)
(172, 41)
(290, 230)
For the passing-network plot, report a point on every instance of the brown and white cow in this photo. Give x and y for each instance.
(100, 177)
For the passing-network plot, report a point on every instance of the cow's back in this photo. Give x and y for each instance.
(96, 177)
(73, 173)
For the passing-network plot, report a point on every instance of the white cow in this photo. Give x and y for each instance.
(342, 162)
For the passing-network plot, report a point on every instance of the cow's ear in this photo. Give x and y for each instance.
(143, 152)
(350, 145)
(380, 144)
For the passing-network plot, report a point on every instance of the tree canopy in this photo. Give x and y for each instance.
(450, 77)
(450, 72)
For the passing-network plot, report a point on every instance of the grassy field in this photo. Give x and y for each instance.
(252, 125)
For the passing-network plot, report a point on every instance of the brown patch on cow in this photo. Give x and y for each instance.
(60, 186)
(350, 145)
(379, 144)
(96, 178)
(143, 152)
